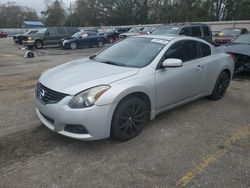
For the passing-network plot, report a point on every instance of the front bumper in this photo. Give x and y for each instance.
(96, 119)
(29, 43)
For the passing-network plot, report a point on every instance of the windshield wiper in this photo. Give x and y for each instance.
(92, 57)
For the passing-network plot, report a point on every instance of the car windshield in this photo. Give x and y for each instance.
(76, 35)
(230, 32)
(166, 30)
(42, 31)
(242, 39)
(132, 52)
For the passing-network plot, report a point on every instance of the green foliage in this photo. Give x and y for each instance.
(13, 15)
(55, 14)
(126, 12)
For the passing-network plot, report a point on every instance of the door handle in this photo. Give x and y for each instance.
(199, 68)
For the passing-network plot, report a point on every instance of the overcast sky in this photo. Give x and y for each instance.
(38, 5)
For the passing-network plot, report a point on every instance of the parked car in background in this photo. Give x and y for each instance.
(49, 36)
(113, 33)
(132, 32)
(3, 34)
(81, 39)
(116, 91)
(239, 49)
(147, 30)
(20, 37)
(228, 35)
(202, 31)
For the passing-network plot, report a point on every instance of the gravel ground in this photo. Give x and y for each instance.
(202, 144)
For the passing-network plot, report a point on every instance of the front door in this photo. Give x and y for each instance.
(174, 85)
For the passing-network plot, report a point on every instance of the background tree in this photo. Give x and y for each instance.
(13, 15)
(55, 13)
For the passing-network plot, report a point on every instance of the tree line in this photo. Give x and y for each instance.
(12, 15)
(126, 12)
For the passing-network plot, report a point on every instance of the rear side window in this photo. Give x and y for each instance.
(205, 49)
(196, 31)
(61, 31)
(206, 31)
(185, 50)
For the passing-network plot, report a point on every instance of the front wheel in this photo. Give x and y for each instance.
(39, 44)
(129, 119)
(221, 86)
(73, 46)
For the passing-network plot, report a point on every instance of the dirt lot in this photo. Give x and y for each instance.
(202, 144)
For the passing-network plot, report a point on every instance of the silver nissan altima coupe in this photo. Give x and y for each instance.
(114, 93)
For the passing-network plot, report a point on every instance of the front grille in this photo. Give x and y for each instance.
(48, 96)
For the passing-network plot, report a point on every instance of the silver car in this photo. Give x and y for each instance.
(115, 92)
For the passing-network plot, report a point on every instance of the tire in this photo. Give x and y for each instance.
(221, 86)
(38, 44)
(100, 44)
(129, 119)
(73, 46)
(111, 40)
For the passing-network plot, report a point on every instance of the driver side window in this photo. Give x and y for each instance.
(51, 31)
(185, 50)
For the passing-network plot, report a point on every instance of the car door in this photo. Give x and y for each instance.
(196, 31)
(61, 33)
(92, 38)
(174, 85)
(51, 36)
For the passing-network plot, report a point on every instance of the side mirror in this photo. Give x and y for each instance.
(47, 33)
(172, 62)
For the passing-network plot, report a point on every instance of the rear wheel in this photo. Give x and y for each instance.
(111, 40)
(39, 44)
(100, 44)
(129, 119)
(221, 86)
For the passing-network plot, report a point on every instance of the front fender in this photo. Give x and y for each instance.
(119, 91)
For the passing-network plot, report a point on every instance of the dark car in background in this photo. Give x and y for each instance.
(82, 39)
(49, 36)
(3, 34)
(20, 37)
(239, 49)
(132, 32)
(113, 33)
(227, 35)
(202, 31)
(147, 30)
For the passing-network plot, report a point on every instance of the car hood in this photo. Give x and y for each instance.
(76, 76)
(243, 49)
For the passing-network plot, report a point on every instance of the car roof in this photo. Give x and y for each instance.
(185, 24)
(163, 37)
(172, 37)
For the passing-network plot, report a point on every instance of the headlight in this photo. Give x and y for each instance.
(88, 97)
(29, 38)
